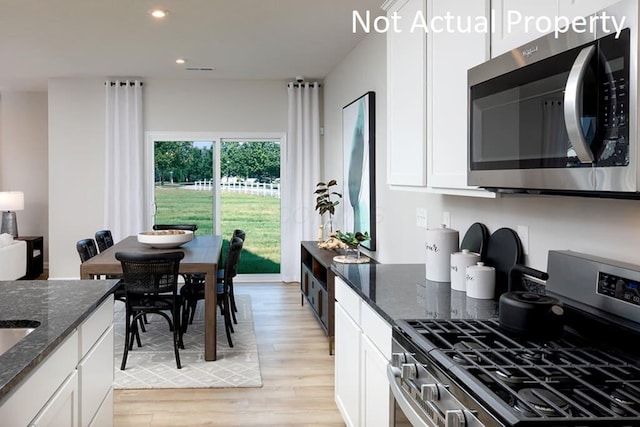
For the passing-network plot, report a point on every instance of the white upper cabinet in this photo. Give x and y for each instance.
(450, 55)
(573, 8)
(516, 22)
(406, 95)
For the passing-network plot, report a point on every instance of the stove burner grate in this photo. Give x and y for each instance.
(568, 378)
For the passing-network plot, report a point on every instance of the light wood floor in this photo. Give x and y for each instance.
(297, 376)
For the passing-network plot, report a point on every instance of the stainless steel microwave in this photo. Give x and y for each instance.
(559, 114)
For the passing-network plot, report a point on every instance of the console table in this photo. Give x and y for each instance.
(317, 284)
(35, 256)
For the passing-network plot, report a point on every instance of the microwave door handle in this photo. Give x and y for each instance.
(573, 105)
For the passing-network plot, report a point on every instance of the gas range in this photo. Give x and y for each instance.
(470, 372)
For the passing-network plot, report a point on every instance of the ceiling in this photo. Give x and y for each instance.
(240, 39)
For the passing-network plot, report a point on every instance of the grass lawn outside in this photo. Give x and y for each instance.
(258, 216)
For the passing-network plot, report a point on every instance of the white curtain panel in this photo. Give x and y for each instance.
(301, 173)
(124, 168)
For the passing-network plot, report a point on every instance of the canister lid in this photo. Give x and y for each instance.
(443, 229)
(466, 253)
(480, 266)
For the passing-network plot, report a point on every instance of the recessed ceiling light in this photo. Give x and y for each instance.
(159, 13)
(180, 61)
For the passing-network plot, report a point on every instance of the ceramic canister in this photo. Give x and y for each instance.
(481, 281)
(459, 263)
(441, 243)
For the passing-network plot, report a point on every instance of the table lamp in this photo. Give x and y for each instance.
(10, 201)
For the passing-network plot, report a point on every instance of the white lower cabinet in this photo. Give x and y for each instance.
(95, 369)
(73, 386)
(362, 351)
(347, 372)
(376, 403)
(62, 408)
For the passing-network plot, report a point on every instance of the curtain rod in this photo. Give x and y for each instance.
(302, 84)
(123, 83)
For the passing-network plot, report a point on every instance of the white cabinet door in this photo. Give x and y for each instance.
(406, 96)
(96, 376)
(518, 22)
(62, 408)
(447, 94)
(104, 415)
(347, 366)
(377, 397)
(573, 8)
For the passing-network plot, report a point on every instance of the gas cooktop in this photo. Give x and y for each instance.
(470, 372)
(569, 379)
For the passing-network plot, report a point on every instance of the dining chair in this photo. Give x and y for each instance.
(87, 249)
(193, 292)
(220, 276)
(188, 277)
(151, 286)
(104, 239)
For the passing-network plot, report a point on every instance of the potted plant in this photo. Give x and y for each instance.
(325, 203)
(352, 241)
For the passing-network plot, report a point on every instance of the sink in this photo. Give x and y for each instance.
(12, 331)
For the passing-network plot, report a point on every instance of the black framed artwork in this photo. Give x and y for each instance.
(359, 141)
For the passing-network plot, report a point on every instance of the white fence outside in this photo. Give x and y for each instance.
(233, 185)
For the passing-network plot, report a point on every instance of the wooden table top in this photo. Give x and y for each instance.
(200, 255)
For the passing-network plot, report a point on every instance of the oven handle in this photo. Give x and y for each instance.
(414, 418)
(573, 105)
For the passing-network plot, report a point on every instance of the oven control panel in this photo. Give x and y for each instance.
(618, 287)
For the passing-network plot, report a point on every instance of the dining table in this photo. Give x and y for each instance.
(201, 255)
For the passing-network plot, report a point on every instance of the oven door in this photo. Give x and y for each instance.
(405, 411)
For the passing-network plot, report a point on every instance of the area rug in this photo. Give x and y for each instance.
(153, 365)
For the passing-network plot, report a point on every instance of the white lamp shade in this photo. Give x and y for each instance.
(11, 200)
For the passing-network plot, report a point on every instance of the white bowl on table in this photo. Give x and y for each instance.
(165, 239)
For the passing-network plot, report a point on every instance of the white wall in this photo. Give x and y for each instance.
(609, 228)
(23, 157)
(76, 141)
(76, 169)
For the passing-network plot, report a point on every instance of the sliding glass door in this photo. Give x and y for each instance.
(220, 184)
(184, 183)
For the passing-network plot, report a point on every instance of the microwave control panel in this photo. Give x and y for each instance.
(618, 287)
(614, 150)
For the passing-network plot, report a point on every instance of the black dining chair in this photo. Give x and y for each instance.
(220, 276)
(187, 227)
(151, 286)
(193, 292)
(87, 249)
(104, 239)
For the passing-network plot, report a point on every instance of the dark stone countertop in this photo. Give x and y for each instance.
(59, 305)
(401, 291)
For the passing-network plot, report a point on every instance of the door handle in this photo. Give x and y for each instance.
(573, 105)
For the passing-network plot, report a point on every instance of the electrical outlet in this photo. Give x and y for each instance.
(446, 219)
(421, 217)
(523, 234)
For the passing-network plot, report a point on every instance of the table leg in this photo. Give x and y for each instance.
(210, 317)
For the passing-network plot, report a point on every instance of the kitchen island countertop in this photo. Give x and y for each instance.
(401, 291)
(59, 305)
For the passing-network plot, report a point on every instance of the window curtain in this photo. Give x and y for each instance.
(301, 173)
(124, 168)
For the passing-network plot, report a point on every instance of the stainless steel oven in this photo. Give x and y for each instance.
(470, 372)
(560, 114)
